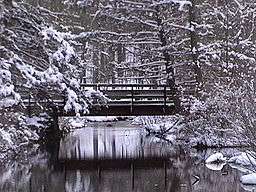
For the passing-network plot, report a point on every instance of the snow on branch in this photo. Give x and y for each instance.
(65, 52)
(8, 96)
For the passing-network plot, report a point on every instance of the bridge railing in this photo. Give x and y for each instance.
(135, 94)
(129, 98)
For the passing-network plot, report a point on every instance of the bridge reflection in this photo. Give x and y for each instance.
(105, 142)
(107, 147)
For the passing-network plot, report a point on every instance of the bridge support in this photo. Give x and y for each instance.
(53, 135)
(55, 121)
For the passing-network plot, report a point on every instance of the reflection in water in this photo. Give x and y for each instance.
(103, 142)
(151, 167)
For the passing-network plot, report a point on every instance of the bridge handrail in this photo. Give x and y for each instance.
(120, 95)
(121, 85)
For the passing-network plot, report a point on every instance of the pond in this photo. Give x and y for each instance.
(117, 157)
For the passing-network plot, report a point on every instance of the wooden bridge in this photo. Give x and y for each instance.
(124, 99)
(133, 99)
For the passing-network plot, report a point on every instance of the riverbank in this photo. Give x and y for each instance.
(180, 131)
(19, 131)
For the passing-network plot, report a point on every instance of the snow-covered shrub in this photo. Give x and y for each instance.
(17, 131)
(8, 96)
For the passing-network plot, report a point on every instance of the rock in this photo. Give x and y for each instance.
(215, 166)
(249, 179)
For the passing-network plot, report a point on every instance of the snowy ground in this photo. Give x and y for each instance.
(81, 122)
(172, 128)
(178, 131)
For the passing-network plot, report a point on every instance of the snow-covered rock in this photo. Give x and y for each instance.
(249, 179)
(244, 158)
(215, 158)
(215, 166)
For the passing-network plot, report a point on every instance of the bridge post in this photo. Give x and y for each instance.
(165, 99)
(132, 94)
(53, 132)
(177, 102)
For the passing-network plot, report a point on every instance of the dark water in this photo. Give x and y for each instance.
(117, 157)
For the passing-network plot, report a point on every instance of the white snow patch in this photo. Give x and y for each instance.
(181, 3)
(72, 102)
(171, 137)
(197, 106)
(249, 179)
(240, 168)
(6, 136)
(77, 123)
(251, 188)
(101, 118)
(35, 121)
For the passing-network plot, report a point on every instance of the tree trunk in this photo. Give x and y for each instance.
(193, 43)
(168, 60)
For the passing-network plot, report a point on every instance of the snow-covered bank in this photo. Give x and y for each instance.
(244, 158)
(178, 130)
(101, 118)
(69, 123)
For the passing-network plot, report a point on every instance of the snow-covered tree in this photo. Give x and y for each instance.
(226, 31)
(38, 58)
(139, 39)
